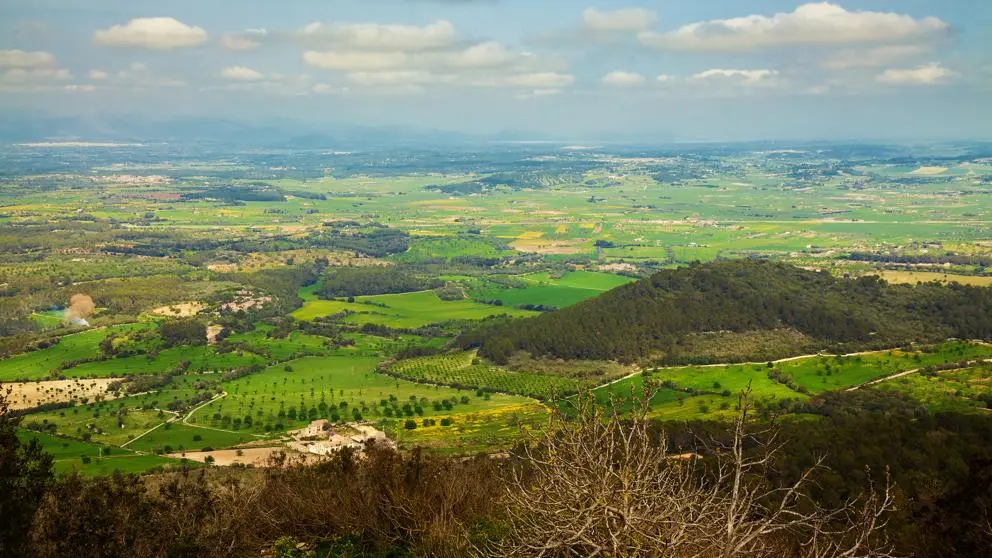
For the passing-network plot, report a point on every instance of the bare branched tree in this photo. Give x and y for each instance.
(596, 483)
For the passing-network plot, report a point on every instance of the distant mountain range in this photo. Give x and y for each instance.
(190, 130)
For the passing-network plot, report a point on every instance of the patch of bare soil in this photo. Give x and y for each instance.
(26, 395)
(180, 310)
(258, 457)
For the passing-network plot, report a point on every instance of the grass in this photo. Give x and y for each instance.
(460, 370)
(914, 277)
(543, 289)
(105, 423)
(200, 358)
(409, 310)
(447, 247)
(178, 437)
(295, 345)
(37, 365)
(325, 387)
(708, 392)
(473, 432)
(70, 455)
(821, 374)
(966, 390)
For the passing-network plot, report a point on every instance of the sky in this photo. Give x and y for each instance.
(686, 70)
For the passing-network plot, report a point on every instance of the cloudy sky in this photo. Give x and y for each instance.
(696, 70)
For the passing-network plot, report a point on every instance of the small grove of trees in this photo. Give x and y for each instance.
(372, 280)
(183, 332)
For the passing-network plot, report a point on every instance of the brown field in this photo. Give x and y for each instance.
(25, 395)
(914, 277)
(258, 457)
(180, 310)
(541, 246)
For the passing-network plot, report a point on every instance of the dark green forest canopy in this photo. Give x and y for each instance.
(649, 318)
(358, 281)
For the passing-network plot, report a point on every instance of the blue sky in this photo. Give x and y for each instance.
(700, 70)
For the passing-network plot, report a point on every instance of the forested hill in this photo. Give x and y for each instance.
(655, 316)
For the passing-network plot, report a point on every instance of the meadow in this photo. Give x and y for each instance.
(179, 437)
(106, 423)
(409, 310)
(557, 292)
(459, 369)
(288, 396)
(88, 459)
(693, 392)
(41, 364)
(962, 390)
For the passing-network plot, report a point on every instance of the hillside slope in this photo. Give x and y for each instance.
(653, 317)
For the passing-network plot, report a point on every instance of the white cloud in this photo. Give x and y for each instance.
(83, 88)
(542, 80)
(484, 55)
(21, 75)
(34, 79)
(355, 60)
(623, 79)
(626, 19)
(929, 74)
(22, 59)
(98, 75)
(374, 36)
(248, 40)
(239, 43)
(810, 24)
(241, 73)
(747, 77)
(664, 78)
(154, 33)
(396, 79)
(874, 57)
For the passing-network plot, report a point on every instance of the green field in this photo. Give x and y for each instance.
(830, 373)
(543, 289)
(458, 370)
(178, 437)
(409, 310)
(278, 399)
(72, 455)
(201, 358)
(105, 423)
(710, 391)
(966, 390)
(40, 364)
(445, 248)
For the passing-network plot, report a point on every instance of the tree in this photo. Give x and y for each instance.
(25, 472)
(410, 424)
(597, 484)
(183, 332)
